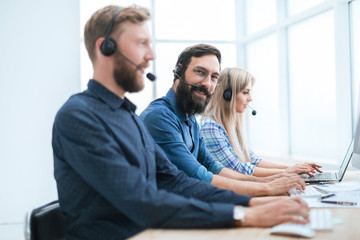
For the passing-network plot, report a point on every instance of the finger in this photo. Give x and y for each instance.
(311, 171)
(304, 205)
(297, 200)
(295, 185)
(299, 219)
(294, 206)
(302, 183)
(300, 187)
(314, 165)
(299, 183)
(299, 209)
(317, 169)
(310, 174)
(307, 168)
(303, 170)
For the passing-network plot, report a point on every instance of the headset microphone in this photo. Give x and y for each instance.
(192, 85)
(253, 110)
(150, 76)
(108, 46)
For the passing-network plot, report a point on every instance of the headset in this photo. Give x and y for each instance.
(228, 92)
(177, 71)
(108, 46)
(178, 68)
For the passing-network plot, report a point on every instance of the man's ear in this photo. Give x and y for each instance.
(98, 43)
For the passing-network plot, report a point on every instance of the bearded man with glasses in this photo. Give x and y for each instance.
(172, 123)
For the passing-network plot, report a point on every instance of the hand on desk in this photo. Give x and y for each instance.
(271, 211)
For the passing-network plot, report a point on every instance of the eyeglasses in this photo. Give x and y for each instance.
(203, 73)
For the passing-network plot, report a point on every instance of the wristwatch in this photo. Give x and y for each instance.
(239, 215)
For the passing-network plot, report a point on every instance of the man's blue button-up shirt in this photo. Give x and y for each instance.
(114, 181)
(179, 136)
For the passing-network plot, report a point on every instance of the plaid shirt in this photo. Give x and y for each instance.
(218, 144)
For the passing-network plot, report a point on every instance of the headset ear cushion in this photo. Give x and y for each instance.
(227, 95)
(177, 71)
(108, 47)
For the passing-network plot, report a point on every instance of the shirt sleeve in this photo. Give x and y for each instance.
(206, 157)
(166, 131)
(218, 144)
(254, 158)
(171, 179)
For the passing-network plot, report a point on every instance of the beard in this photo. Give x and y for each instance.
(188, 101)
(126, 76)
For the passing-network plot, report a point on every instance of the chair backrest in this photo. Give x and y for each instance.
(47, 222)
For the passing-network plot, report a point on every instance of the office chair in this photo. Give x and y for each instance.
(45, 223)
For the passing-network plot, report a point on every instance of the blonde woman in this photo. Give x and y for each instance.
(222, 128)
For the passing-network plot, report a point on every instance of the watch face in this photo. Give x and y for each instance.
(239, 213)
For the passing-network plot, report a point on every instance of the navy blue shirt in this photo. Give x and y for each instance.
(179, 136)
(114, 181)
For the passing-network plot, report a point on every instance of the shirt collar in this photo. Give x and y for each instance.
(171, 96)
(114, 101)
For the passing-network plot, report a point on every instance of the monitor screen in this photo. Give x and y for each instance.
(355, 162)
(348, 157)
(357, 136)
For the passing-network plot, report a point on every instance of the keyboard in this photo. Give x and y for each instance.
(321, 219)
(323, 176)
(310, 191)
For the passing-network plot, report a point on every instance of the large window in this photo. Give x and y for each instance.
(295, 6)
(303, 55)
(259, 15)
(299, 57)
(312, 87)
(266, 95)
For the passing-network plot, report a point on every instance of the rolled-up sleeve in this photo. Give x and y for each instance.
(219, 146)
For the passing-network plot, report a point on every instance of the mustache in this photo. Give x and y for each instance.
(144, 65)
(201, 89)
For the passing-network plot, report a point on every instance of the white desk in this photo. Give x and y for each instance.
(350, 229)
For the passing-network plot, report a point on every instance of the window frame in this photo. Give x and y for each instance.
(344, 105)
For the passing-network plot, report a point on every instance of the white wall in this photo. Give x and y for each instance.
(39, 70)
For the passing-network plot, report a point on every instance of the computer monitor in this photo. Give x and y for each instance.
(355, 162)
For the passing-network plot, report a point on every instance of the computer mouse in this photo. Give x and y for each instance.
(293, 229)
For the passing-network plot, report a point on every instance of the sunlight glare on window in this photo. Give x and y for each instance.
(297, 6)
(259, 15)
(264, 67)
(195, 20)
(312, 87)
